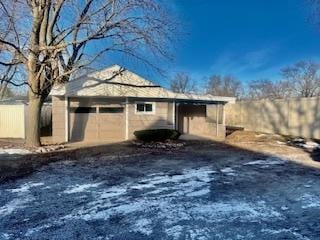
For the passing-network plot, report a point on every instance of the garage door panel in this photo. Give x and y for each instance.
(108, 116)
(111, 126)
(106, 121)
(83, 126)
(108, 126)
(111, 122)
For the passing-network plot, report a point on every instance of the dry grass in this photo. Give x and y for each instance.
(273, 144)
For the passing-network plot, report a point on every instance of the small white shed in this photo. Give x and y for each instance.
(12, 119)
(13, 116)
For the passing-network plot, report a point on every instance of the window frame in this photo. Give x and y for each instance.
(145, 112)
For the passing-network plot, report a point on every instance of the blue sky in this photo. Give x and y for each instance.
(249, 39)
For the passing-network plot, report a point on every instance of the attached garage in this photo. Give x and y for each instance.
(111, 104)
(97, 120)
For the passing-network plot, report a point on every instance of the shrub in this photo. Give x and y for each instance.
(157, 135)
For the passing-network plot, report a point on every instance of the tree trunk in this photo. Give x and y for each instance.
(33, 121)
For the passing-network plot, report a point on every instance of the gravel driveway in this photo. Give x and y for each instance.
(207, 193)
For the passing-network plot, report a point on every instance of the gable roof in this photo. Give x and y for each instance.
(116, 81)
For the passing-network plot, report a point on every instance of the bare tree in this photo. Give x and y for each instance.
(52, 39)
(304, 78)
(6, 75)
(267, 89)
(182, 83)
(227, 86)
(5, 92)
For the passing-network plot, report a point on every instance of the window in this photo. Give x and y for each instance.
(83, 110)
(111, 110)
(146, 108)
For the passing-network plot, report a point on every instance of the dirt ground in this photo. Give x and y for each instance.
(251, 189)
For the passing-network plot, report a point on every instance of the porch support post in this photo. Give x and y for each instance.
(174, 115)
(177, 116)
(127, 119)
(217, 120)
(66, 123)
(223, 115)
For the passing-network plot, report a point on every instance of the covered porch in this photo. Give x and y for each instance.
(196, 120)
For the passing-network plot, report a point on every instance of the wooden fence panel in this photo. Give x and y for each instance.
(297, 117)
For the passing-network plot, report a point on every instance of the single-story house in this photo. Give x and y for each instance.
(111, 104)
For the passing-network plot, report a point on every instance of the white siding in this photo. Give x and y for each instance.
(12, 121)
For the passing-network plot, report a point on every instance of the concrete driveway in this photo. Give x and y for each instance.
(209, 192)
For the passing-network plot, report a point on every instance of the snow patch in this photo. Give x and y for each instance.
(113, 192)
(309, 201)
(15, 204)
(32, 231)
(142, 186)
(174, 232)
(159, 194)
(81, 188)
(309, 145)
(234, 210)
(4, 236)
(227, 170)
(26, 187)
(11, 151)
(143, 226)
(284, 230)
(199, 193)
(268, 161)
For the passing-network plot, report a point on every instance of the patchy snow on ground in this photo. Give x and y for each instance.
(163, 199)
(290, 231)
(227, 170)
(4, 236)
(233, 210)
(143, 225)
(309, 201)
(15, 204)
(81, 188)
(187, 187)
(309, 145)
(11, 151)
(22, 198)
(26, 187)
(268, 161)
(199, 193)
